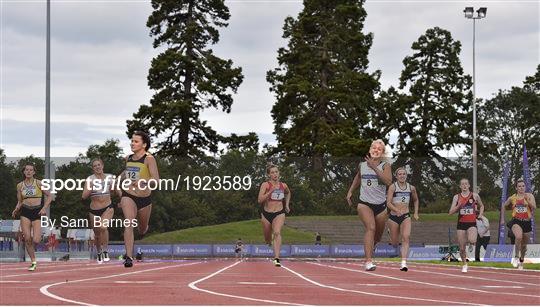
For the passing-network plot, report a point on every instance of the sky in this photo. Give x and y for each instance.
(101, 53)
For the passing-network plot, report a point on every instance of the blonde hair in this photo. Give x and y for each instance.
(381, 142)
(399, 169)
(270, 166)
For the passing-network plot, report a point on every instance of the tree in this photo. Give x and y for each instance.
(8, 197)
(431, 110)
(110, 153)
(322, 87)
(186, 76)
(508, 121)
(249, 142)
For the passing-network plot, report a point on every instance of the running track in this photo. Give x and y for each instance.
(228, 282)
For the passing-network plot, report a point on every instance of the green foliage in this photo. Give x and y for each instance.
(187, 77)
(430, 111)
(508, 121)
(249, 231)
(324, 93)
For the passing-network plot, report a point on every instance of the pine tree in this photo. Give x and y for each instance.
(187, 77)
(323, 90)
(431, 110)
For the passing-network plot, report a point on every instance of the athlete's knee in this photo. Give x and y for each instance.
(519, 238)
(405, 238)
(276, 234)
(36, 240)
(28, 240)
(370, 227)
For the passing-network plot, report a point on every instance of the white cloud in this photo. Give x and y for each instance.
(101, 53)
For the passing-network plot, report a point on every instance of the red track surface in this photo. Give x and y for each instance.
(227, 282)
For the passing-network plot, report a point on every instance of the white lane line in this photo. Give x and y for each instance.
(483, 269)
(379, 285)
(193, 285)
(134, 282)
(461, 275)
(45, 289)
(505, 287)
(19, 267)
(70, 270)
(377, 294)
(256, 283)
(14, 281)
(426, 283)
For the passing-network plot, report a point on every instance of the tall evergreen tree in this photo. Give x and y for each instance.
(431, 112)
(508, 121)
(187, 77)
(323, 90)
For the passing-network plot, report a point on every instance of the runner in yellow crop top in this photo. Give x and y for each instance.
(31, 206)
(136, 201)
(522, 205)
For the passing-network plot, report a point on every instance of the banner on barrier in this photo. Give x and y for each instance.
(347, 250)
(154, 249)
(386, 251)
(268, 251)
(533, 253)
(499, 253)
(424, 253)
(116, 250)
(192, 250)
(310, 250)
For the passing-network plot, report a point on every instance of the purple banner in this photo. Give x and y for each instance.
(528, 189)
(504, 196)
(154, 249)
(267, 251)
(385, 251)
(116, 250)
(310, 250)
(347, 250)
(223, 250)
(229, 249)
(192, 250)
(499, 253)
(424, 253)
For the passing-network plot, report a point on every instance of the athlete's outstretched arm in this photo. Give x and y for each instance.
(532, 201)
(86, 192)
(19, 202)
(48, 200)
(287, 198)
(48, 196)
(354, 186)
(152, 167)
(390, 198)
(507, 204)
(454, 208)
(481, 204)
(263, 196)
(415, 201)
(385, 175)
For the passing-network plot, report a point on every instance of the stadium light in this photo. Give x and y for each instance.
(469, 14)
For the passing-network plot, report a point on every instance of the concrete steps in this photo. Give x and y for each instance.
(352, 232)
